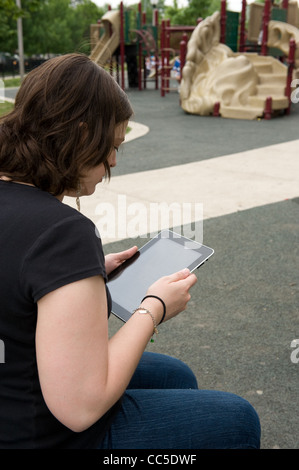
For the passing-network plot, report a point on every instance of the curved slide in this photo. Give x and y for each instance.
(240, 83)
(109, 41)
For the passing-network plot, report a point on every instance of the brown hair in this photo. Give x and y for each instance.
(41, 140)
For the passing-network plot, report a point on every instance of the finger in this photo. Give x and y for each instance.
(127, 254)
(191, 280)
(179, 275)
(132, 251)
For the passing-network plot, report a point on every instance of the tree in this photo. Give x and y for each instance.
(46, 30)
(85, 14)
(49, 26)
(9, 12)
(189, 15)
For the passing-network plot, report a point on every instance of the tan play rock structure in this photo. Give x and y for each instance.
(239, 82)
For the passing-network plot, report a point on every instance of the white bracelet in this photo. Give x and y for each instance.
(143, 310)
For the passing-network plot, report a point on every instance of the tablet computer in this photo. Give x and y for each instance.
(166, 253)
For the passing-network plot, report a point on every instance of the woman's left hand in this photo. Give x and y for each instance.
(114, 260)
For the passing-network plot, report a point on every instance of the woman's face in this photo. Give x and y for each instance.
(95, 175)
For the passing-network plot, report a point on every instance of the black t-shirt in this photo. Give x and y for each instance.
(44, 244)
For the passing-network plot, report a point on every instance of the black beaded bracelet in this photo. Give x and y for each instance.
(164, 306)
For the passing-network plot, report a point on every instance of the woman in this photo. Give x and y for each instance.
(64, 383)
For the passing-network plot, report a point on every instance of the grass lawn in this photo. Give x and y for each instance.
(12, 82)
(5, 107)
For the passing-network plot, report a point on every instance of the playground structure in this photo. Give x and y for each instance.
(226, 70)
(241, 85)
(137, 46)
(130, 45)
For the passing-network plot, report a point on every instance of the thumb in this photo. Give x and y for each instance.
(179, 275)
(130, 252)
(127, 254)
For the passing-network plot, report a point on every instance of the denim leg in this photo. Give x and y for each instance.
(163, 409)
(183, 419)
(157, 371)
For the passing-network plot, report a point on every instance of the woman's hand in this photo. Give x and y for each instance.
(114, 260)
(173, 290)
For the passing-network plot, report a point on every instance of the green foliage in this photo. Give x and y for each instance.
(5, 108)
(189, 15)
(49, 26)
(8, 15)
(10, 7)
(12, 82)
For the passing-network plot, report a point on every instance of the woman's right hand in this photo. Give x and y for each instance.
(174, 291)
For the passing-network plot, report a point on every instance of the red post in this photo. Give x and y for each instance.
(266, 19)
(223, 21)
(140, 50)
(291, 65)
(242, 27)
(165, 42)
(268, 108)
(183, 53)
(156, 17)
(156, 23)
(162, 57)
(122, 46)
(168, 71)
(285, 4)
(143, 22)
(216, 110)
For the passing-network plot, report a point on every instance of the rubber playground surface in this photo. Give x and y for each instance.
(243, 315)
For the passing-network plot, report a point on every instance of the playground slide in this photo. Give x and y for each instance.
(240, 83)
(109, 41)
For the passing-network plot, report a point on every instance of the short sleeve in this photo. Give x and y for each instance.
(66, 252)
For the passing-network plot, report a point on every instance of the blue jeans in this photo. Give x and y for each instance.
(163, 409)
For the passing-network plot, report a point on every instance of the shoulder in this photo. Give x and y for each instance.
(35, 211)
(65, 249)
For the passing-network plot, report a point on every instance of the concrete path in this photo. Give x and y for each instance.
(223, 185)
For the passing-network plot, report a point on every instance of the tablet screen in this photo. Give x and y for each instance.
(161, 256)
